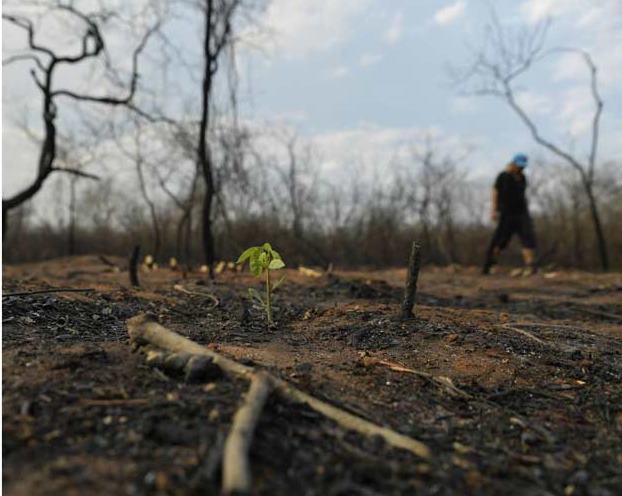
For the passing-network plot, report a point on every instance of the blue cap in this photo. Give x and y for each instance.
(520, 160)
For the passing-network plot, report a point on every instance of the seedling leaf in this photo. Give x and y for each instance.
(276, 264)
(248, 253)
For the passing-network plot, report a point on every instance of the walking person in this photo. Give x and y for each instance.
(510, 211)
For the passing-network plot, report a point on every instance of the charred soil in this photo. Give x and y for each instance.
(539, 361)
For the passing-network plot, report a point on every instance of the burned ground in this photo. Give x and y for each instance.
(539, 361)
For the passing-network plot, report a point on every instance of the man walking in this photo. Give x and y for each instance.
(509, 209)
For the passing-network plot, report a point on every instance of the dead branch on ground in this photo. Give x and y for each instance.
(216, 301)
(598, 313)
(145, 331)
(526, 334)
(236, 472)
(440, 381)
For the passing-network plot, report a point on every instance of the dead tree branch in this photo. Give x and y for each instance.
(145, 330)
(236, 472)
(92, 46)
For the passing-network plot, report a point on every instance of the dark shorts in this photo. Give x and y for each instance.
(515, 224)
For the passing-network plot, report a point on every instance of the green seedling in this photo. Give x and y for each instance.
(263, 259)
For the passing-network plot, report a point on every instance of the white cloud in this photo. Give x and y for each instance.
(464, 105)
(369, 144)
(534, 103)
(368, 59)
(394, 33)
(450, 14)
(339, 72)
(577, 111)
(596, 27)
(298, 27)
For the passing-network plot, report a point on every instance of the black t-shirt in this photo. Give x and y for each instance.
(511, 193)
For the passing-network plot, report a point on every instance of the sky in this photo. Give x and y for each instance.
(365, 79)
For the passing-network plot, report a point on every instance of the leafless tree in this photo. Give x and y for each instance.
(184, 201)
(218, 20)
(136, 154)
(45, 62)
(506, 56)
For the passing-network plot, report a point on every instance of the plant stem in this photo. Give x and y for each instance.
(268, 297)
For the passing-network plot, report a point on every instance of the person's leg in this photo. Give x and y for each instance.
(528, 240)
(492, 253)
(499, 240)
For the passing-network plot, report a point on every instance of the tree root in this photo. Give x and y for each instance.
(146, 332)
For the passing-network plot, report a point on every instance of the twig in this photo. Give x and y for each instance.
(410, 291)
(107, 262)
(441, 381)
(144, 329)
(525, 333)
(210, 296)
(117, 402)
(598, 313)
(236, 473)
(51, 290)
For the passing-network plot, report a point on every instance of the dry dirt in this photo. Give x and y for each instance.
(83, 415)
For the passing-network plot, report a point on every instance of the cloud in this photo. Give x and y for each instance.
(370, 145)
(577, 111)
(451, 13)
(368, 59)
(339, 72)
(394, 33)
(299, 27)
(534, 103)
(596, 27)
(463, 105)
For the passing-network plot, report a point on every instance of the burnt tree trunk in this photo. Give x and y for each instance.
(133, 266)
(598, 228)
(218, 17)
(203, 153)
(410, 291)
(71, 235)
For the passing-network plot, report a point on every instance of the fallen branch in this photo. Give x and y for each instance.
(441, 381)
(143, 329)
(107, 262)
(51, 290)
(599, 313)
(210, 296)
(117, 402)
(525, 333)
(236, 472)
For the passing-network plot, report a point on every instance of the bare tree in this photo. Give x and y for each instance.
(47, 61)
(182, 142)
(506, 56)
(218, 18)
(137, 156)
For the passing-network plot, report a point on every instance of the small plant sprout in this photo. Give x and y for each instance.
(263, 259)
